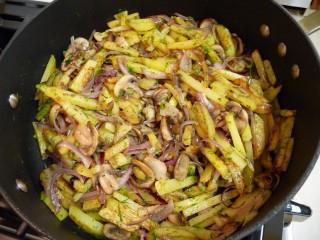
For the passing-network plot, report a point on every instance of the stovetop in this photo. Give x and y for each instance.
(13, 14)
(12, 227)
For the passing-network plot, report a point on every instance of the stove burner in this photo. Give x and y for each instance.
(12, 227)
(12, 14)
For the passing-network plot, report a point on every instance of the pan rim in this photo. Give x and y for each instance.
(241, 232)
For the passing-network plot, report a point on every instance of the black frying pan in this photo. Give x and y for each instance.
(23, 61)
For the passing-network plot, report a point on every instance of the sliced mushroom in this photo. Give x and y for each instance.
(181, 167)
(87, 136)
(108, 183)
(158, 167)
(106, 186)
(162, 212)
(147, 171)
(115, 233)
(149, 112)
(83, 135)
(138, 133)
(81, 43)
(166, 134)
(175, 218)
(207, 23)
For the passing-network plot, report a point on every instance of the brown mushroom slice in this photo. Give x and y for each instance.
(87, 136)
(107, 181)
(207, 23)
(181, 167)
(166, 134)
(105, 184)
(175, 218)
(83, 135)
(81, 43)
(149, 112)
(158, 167)
(113, 232)
(95, 140)
(148, 172)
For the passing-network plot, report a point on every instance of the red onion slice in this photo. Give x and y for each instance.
(57, 120)
(94, 86)
(134, 149)
(239, 44)
(162, 212)
(185, 62)
(204, 101)
(125, 177)
(238, 64)
(143, 234)
(122, 66)
(84, 159)
(171, 162)
(52, 186)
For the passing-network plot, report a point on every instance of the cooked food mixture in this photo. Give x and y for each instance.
(160, 128)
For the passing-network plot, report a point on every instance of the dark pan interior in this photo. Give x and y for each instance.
(22, 64)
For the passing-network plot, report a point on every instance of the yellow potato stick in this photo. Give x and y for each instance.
(234, 133)
(287, 155)
(259, 135)
(269, 71)
(256, 57)
(86, 72)
(286, 127)
(274, 138)
(226, 41)
(114, 47)
(196, 85)
(272, 92)
(188, 44)
(142, 25)
(281, 154)
(206, 174)
(217, 163)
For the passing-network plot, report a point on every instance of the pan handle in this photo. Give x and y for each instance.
(311, 23)
(294, 208)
